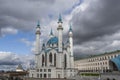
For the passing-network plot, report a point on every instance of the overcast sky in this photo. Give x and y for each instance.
(95, 23)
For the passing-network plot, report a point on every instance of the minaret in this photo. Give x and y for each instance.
(60, 32)
(71, 46)
(37, 45)
(37, 38)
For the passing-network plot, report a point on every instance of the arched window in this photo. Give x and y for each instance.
(65, 61)
(50, 57)
(55, 60)
(43, 60)
(105, 58)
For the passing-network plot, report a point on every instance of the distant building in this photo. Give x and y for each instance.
(13, 75)
(107, 62)
(19, 68)
(55, 58)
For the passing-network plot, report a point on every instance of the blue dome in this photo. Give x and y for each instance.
(53, 40)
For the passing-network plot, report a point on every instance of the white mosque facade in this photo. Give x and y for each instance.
(55, 58)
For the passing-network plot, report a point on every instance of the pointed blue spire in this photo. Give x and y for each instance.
(38, 24)
(51, 33)
(60, 18)
(70, 29)
(43, 46)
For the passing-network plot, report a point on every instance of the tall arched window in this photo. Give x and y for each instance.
(50, 57)
(55, 60)
(65, 61)
(43, 59)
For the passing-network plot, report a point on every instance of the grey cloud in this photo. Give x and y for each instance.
(9, 60)
(9, 63)
(23, 14)
(19, 14)
(8, 30)
(99, 19)
(44, 1)
(104, 44)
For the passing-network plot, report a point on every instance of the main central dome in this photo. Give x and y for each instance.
(53, 40)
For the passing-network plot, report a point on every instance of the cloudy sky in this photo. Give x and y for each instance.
(95, 23)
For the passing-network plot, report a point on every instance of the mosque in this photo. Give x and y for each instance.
(55, 58)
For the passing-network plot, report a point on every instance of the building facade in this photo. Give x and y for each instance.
(55, 58)
(108, 62)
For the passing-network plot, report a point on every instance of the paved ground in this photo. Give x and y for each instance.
(105, 76)
(86, 78)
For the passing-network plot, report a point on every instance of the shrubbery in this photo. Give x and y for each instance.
(89, 74)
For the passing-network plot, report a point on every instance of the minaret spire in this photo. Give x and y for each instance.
(60, 19)
(51, 33)
(38, 24)
(70, 29)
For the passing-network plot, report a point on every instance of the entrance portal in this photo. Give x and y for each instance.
(114, 66)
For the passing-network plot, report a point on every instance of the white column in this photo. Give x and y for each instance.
(36, 61)
(37, 42)
(71, 49)
(71, 45)
(60, 33)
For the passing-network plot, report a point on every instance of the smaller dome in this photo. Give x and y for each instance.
(19, 68)
(53, 40)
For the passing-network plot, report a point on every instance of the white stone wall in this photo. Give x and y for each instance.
(60, 60)
(32, 73)
(54, 73)
(98, 63)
